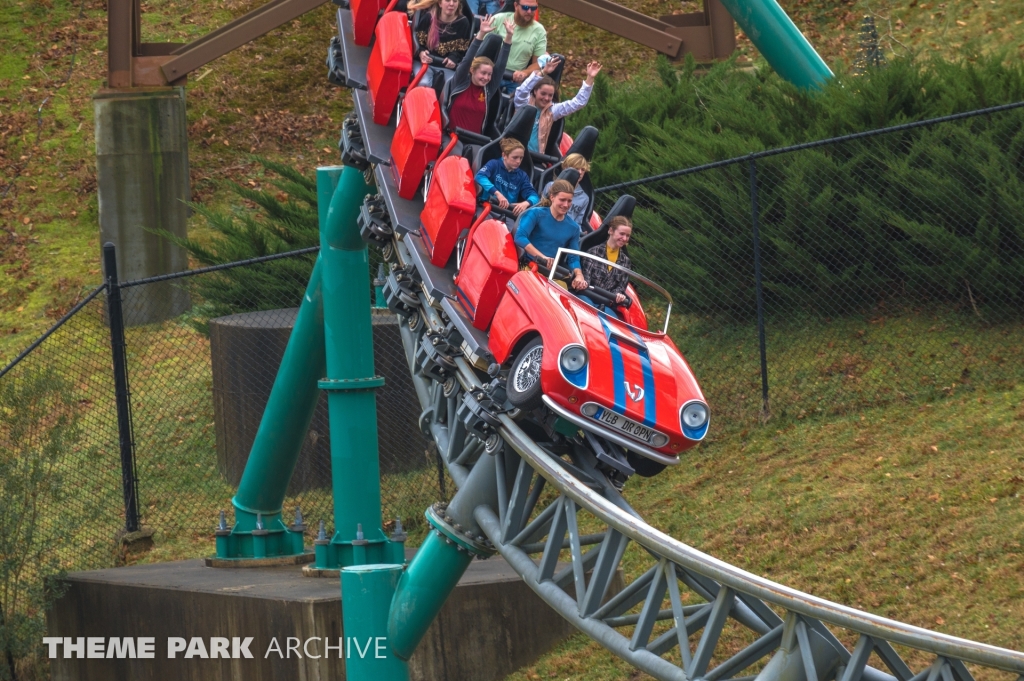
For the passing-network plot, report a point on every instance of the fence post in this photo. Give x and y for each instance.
(758, 288)
(121, 394)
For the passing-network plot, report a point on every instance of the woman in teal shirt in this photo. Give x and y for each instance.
(545, 229)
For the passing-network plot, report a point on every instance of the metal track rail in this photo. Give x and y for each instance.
(670, 620)
(681, 614)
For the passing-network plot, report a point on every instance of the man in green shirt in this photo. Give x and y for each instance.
(529, 41)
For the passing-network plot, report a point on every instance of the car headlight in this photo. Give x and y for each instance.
(693, 418)
(695, 415)
(572, 360)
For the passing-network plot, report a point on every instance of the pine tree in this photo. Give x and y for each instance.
(280, 226)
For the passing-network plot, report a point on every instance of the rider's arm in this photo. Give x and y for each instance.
(483, 179)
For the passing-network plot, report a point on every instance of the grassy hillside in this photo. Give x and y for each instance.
(271, 97)
(911, 511)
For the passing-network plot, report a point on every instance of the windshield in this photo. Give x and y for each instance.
(656, 301)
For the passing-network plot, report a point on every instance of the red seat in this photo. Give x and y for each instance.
(364, 19)
(390, 64)
(417, 139)
(487, 265)
(451, 202)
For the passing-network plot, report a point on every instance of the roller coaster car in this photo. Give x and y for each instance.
(613, 378)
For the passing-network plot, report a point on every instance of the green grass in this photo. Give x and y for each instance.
(911, 511)
(902, 499)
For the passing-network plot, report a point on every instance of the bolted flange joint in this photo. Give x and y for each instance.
(456, 535)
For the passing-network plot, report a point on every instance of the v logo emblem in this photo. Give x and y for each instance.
(635, 392)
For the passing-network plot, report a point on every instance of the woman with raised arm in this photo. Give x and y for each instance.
(474, 84)
(539, 90)
(545, 229)
(442, 32)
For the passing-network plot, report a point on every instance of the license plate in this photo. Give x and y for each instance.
(624, 425)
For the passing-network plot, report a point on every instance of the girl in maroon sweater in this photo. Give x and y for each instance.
(476, 81)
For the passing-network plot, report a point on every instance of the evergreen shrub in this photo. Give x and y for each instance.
(932, 214)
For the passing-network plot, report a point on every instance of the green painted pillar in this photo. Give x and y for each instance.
(780, 41)
(278, 442)
(350, 381)
(366, 593)
(430, 578)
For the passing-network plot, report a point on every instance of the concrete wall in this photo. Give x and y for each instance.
(492, 625)
(143, 184)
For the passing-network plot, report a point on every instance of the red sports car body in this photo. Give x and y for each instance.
(629, 385)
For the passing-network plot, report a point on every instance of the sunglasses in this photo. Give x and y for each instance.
(528, 8)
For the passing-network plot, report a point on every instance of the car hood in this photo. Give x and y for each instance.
(637, 373)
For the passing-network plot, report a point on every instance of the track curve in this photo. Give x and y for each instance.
(545, 498)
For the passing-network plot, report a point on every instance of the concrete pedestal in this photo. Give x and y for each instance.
(246, 351)
(143, 183)
(491, 625)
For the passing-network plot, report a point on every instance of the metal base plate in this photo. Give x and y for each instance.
(300, 559)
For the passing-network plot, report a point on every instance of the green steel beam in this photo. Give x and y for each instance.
(350, 379)
(780, 41)
(366, 594)
(278, 442)
(425, 585)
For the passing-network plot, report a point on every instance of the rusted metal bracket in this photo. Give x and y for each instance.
(708, 35)
(246, 28)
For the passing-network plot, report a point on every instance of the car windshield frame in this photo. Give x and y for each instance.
(656, 287)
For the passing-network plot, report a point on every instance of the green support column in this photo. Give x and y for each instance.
(278, 442)
(780, 41)
(350, 382)
(366, 596)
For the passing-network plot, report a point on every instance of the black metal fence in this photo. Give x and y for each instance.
(818, 279)
(845, 273)
(170, 394)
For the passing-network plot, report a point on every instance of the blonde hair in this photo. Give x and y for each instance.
(478, 62)
(510, 144)
(557, 187)
(576, 162)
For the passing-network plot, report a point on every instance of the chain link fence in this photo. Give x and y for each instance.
(818, 279)
(846, 273)
(202, 350)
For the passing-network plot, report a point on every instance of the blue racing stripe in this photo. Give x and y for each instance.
(650, 394)
(618, 367)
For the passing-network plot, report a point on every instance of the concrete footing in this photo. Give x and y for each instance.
(492, 624)
(143, 184)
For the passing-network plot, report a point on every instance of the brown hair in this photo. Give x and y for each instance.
(510, 144)
(557, 187)
(546, 80)
(618, 221)
(577, 162)
(478, 62)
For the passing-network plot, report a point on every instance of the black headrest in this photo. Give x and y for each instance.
(521, 125)
(570, 175)
(490, 47)
(623, 206)
(585, 142)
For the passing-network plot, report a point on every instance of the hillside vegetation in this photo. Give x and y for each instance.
(911, 510)
(271, 97)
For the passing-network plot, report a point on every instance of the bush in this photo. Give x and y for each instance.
(280, 226)
(929, 215)
(38, 428)
(689, 117)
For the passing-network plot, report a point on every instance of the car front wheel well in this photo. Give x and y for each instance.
(520, 344)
